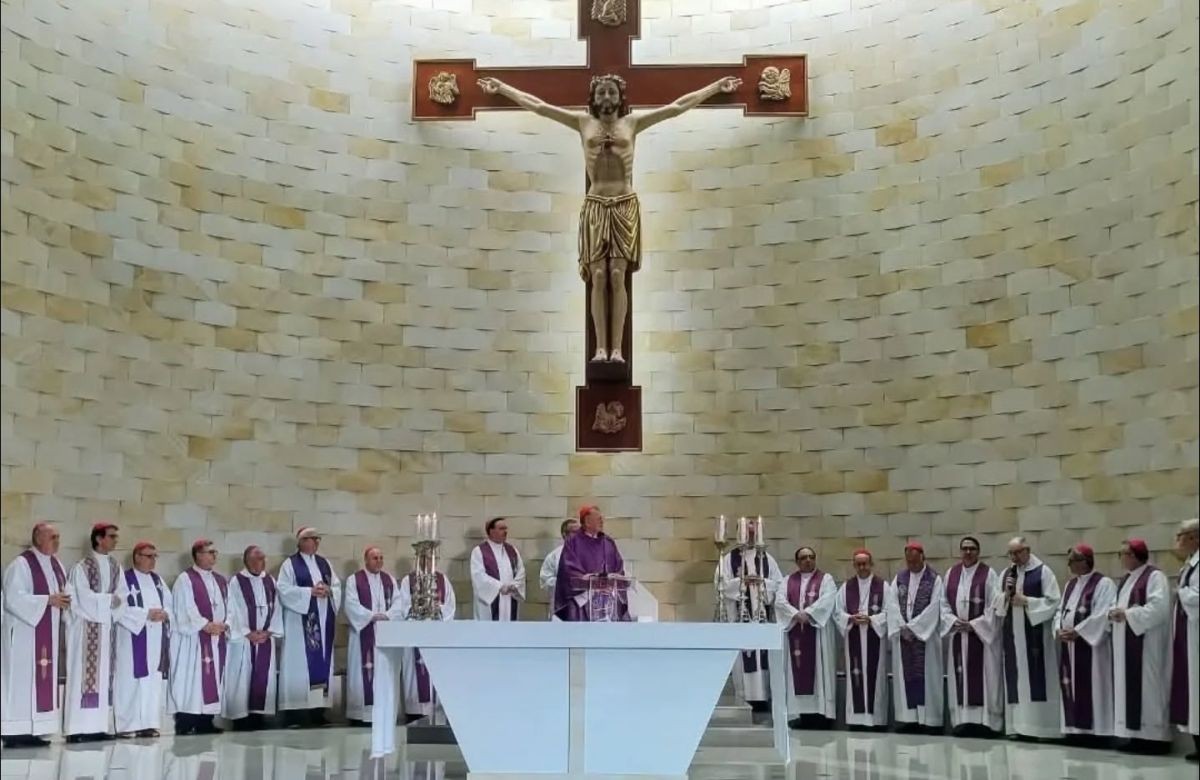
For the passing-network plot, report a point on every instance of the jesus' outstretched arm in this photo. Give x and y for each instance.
(686, 102)
(532, 103)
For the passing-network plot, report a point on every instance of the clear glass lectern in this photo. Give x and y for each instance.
(608, 597)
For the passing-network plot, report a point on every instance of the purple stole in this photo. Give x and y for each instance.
(46, 687)
(972, 676)
(912, 654)
(1134, 646)
(141, 667)
(260, 654)
(424, 689)
(1076, 679)
(317, 649)
(209, 676)
(1034, 648)
(1180, 681)
(492, 567)
(862, 682)
(753, 660)
(90, 696)
(802, 638)
(366, 637)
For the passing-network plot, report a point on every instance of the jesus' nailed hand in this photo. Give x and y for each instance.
(610, 221)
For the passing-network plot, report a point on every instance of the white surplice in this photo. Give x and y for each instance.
(22, 612)
(1093, 629)
(359, 616)
(1152, 623)
(926, 626)
(295, 692)
(186, 681)
(94, 607)
(138, 702)
(876, 715)
(1040, 719)
(985, 627)
(548, 578)
(412, 699)
(238, 664)
(823, 700)
(486, 590)
(1189, 602)
(750, 686)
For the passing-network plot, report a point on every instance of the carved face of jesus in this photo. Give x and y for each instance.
(593, 522)
(374, 560)
(863, 565)
(607, 100)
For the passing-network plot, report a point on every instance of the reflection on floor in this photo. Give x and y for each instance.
(344, 754)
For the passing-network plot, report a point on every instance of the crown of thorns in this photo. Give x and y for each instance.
(598, 80)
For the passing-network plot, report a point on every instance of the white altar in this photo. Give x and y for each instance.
(573, 700)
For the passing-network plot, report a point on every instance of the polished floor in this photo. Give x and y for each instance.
(344, 754)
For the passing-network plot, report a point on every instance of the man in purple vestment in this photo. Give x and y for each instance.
(589, 552)
(1185, 637)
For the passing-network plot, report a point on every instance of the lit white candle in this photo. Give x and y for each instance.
(758, 532)
(742, 530)
(433, 527)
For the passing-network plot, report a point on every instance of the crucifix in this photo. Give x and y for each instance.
(596, 100)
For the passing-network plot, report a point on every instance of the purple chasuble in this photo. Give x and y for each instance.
(970, 677)
(1076, 678)
(366, 636)
(318, 649)
(912, 654)
(44, 651)
(583, 555)
(141, 665)
(1181, 683)
(210, 678)
(1134, 646)
(753, 660)
(492, 567)
(862, 681)
(1035, 649)
(802, 638)
(260, 654)
(424, 689)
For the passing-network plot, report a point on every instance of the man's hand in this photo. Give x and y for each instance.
(907, 635)
(320, 590)
(59, 600)
(1067, 635)
(1116, 615)
(116, 601)
(729, 84)
(490, 86)
(861, 619)
(1019, 599)
(156, 615)
(214, 629)
(258, 637)
(379, 616)
(802, 618)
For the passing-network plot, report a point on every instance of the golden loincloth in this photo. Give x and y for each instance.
(610, 227)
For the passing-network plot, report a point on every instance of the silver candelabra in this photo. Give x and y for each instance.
(425, 603)
(721, 611)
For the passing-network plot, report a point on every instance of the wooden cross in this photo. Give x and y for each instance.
(608, 408)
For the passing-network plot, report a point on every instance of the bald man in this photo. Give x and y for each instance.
(35, 597)
(371, 597)
(255, 626)
(860, 612)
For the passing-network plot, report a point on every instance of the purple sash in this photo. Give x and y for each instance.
(260, 654)
(1181, 682)
(1134, 646)
(1034, 647)
(753, 660)
(424, 689)
(366, 637)
(44, 651)
(863, 700)
(493, 570)
(912, 654)
(141, 666)
(209, 677)
(970, 677)
(90, 696)
(1076, 679)
(802, 638)
(317, 649)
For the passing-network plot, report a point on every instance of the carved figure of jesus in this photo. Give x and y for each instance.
(610, 222)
